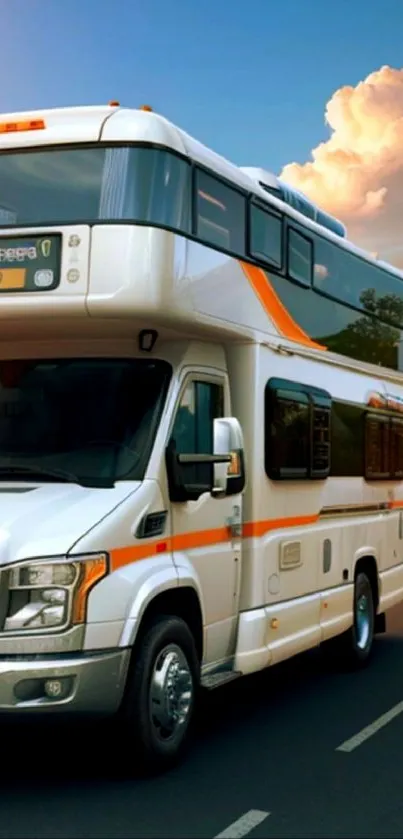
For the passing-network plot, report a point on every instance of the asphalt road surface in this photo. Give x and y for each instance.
(302, 750)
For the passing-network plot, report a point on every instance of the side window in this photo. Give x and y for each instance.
(220, 214)
(347, 440)
(300, 258)
(396, 448)
(265, 236)
(383, 447)
(148, 184)
(200, 405)
(297, 431)
(377, 443)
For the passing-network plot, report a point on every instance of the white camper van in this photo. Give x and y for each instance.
(201, 424)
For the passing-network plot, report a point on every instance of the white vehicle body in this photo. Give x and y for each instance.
(259, 572)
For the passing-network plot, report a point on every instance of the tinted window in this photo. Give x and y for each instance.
(396, 448)
(377, 445)
(201, 404)
(339, 328)
(358, 283)
(90, 420)
(220, 214)
(299, 258)
(265, 236)
(297, 430)
(347, 440)
(287, 432)
(61, 186)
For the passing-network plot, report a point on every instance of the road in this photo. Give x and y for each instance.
(266, 758)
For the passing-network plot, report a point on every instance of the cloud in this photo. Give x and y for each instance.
(357, 174)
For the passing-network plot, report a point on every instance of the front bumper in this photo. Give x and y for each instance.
(81, 684)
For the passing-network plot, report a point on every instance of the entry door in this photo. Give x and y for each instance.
(207, 532)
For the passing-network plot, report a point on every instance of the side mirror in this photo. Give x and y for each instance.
(191, 475)
(229, 477)
(220, 473)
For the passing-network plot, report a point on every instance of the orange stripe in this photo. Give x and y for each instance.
(259, 528)
(182, 542)
(200, 539)
(395, 505)
(276, 310)
(205, 538)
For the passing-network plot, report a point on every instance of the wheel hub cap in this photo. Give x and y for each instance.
(363, 620)
(171, 692)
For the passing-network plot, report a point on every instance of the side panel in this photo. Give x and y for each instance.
(303, 538)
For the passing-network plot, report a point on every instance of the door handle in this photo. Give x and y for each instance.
(234, 522)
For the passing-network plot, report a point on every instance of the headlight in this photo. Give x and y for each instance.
(50, 594)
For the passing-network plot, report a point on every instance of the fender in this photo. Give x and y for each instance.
(367, 550)
(161, 580)
(187, 577)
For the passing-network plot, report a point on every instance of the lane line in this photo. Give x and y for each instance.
(244, 825)
(370, 730)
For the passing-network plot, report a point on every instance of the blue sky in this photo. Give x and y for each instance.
(249, 78)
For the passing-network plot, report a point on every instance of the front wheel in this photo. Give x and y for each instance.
(161, 693)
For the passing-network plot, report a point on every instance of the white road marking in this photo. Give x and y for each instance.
(244, 825)
(369, 730)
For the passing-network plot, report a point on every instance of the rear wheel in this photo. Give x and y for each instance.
(355, 646)
(364, 618)
(161, 694)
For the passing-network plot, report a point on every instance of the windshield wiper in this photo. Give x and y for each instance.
(35, 470)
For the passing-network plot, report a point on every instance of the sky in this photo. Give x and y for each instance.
(311, 90)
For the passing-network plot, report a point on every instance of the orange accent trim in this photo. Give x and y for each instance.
(395, 505)
(182, 542)
(200, 539)
(259, 528)
(260, 282)
(92, 571)
(120, 557)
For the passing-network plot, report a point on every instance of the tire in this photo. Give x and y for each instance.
(160, 700)
(354, 648)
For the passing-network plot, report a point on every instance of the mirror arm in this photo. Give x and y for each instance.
(203, 458)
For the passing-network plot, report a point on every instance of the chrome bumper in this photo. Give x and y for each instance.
(71, 684)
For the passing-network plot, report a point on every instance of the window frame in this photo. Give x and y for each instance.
(199, 169)
(293, 229)
(317, 399)
(193, 378)
(105, 145)
(267, 210)
(382, 420)
(390, 421)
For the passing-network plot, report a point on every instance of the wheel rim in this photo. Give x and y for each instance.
(171, 693)
(363, 615)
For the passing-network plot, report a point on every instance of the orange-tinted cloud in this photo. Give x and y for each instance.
(357, 174)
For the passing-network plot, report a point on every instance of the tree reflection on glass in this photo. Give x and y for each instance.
(372, 337)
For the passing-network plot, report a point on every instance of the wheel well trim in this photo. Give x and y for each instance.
(161, 582)
(370, 554)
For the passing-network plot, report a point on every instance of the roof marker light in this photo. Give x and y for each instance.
(28, 125)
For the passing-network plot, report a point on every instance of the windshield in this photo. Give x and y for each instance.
(86, 184)
(92, 421)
